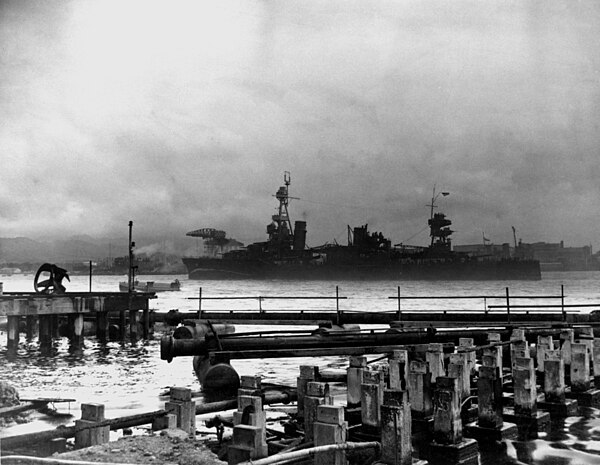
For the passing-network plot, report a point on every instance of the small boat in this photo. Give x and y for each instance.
(151, 286)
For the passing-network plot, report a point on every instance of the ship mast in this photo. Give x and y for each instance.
(437, 225)
(282, 233)
(283, 218)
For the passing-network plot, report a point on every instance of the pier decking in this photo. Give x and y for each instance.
(43, 311)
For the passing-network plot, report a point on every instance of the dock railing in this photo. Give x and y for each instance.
(509, 306)
(504, 307)
(261, 298)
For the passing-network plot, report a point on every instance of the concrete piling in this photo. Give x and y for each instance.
(396, 429)
(181, 405)
(580, 377)
(525, 413)
(496, 351)
(316, 394)
(372, 387)
(449, 446)
(525, 389)
(544, 344)
(356, 366)
(466, 345)
(580, 367)
(519, 347)
(459, 368)
(89, 435)
(435, 358)
(567, 338)
(490, 425)
(419, 386)
(596, 362)
(447, 426)
(308, 373)
(249, 431)
(398, 364)
(330, 428)
(555, 401)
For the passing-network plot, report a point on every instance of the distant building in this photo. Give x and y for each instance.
(552, 256)
(555, 256)
(484, 250)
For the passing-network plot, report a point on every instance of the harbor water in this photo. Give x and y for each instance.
(130, 378)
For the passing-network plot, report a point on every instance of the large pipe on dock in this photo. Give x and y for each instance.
(290, 345)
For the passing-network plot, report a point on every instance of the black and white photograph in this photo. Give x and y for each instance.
(264, 232)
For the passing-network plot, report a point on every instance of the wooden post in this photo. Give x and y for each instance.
(76, 329)
(45, 331)
(133, 324)
(399, 306)
(146, 321)
(102, 326)
(12, 330)
(337, 305)
(31, 323)
(200, 303)
(507, 306)
(562, 302)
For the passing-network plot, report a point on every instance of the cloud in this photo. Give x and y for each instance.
(185, 115)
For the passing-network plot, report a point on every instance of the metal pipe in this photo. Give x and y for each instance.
(20, 459)
(285, 345)
(304, 453)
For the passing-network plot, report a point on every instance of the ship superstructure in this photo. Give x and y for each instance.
(367, 255)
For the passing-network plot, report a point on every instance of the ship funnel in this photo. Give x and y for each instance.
(299, 235)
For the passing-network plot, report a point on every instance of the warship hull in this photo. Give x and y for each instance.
(202, 268)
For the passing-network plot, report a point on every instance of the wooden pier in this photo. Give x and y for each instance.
(45, 311)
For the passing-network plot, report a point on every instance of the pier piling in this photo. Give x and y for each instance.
(317, 393)
(372, 387)
(87, 433)
(396, 428)
(330, 428)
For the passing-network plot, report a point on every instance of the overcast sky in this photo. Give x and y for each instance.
(185, 114)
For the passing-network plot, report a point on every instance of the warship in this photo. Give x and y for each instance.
(367, 255)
